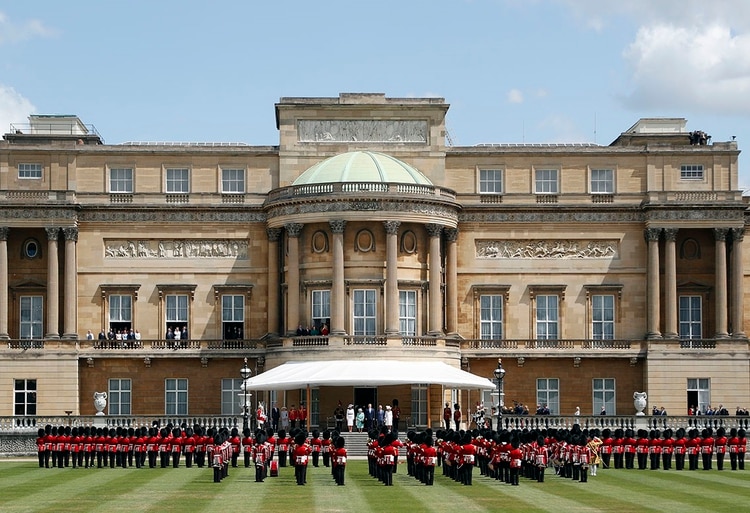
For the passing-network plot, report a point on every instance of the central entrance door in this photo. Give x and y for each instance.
(364, 396)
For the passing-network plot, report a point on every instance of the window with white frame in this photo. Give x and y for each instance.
(24, 397)
(602, 181)
(232, 396)
(233, 316)
(604, 395)
(176, 396)
(491, 316)
(691, 317)
(490, 181)
(691, 172)
(120, 312)
(32, 317)
(314, 410)
(546, 181)
(321, 308)
(232, 180)
(699, 393)
(547, 317)
(120, 396)
(29, 171)
(407, 312)
(603, 317)
(121, 180)
(364, 318)
(178, 180)
(419, 411)
(177, 311)
(548, 392)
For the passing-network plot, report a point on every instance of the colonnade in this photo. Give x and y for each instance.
(436, 301)
(728, 289)
(53, 283)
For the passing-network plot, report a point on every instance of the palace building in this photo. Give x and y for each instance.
(592, 271)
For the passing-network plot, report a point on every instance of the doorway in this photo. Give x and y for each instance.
(365, 396)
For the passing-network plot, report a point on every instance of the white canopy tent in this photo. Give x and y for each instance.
(295, 375)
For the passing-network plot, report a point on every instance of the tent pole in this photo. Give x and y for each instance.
(308, 407)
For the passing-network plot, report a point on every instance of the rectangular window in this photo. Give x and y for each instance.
(490, 181)
(547, 317)
(32, 316)
(321, 307)
(491, 317)
(545, 181)
(178, 180)
(176, 396)
(602, 181)
(407, 312)
(121, 180)
(314, 410)
(548, 392)
(233, 316)
(604, 395)
(29, 171)
(419, 405)
(120, 309)
(603, 317)
(232, 396)
(691, 172)
(177, 309)
(691, 320)
(699, 393)
(119, 398)
(232, 181)
(364, 312)
(24, 397)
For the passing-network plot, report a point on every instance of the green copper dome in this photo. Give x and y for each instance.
(362, 166)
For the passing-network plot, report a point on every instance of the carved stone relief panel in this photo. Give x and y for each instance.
(176, 248)
(550, 248)
(362, 130)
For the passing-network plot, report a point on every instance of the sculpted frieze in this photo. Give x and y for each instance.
(547, 248)
(176, 248)
(552, 217)
(434, 210)
(103, 216)
(697, 215)
(362, 130)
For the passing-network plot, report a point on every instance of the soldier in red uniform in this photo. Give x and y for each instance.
(630, 448)
(468, 452)
(618, 448)
(741, 448)
(259, 456)
(247, 446)
(732, 443)
(605, 450)
(283, 442)
(235, 442)
(429, 460)
(40, 446)
(667, 448)
(654, 448)
(541, 457)
(516, 456)
(642, 449)
(339, 461)
(293, 416)
(693, 447)
(388, 459)
(300, 455)
(707, 448)
(720, 447)
(680, 449)
(317, 445)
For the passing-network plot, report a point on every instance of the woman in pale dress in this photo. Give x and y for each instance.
(350, 417)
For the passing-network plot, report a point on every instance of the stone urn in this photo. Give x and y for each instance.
(100, 402)
(639, 401)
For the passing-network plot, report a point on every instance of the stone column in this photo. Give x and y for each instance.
(293, 231)
(70, 300)
(451, 280)
(720, 234)
(53, 284)
(391, 277)
(274, 234)
(737, 289)
(436, 304)
(4, 232)
(652, 283)
(670, 283)
(338, 292)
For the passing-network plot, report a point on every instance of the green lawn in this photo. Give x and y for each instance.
(24, 487)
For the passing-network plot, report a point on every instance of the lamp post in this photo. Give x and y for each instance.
(245, 373)
(499, 375)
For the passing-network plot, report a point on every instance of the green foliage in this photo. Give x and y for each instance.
(26, 488)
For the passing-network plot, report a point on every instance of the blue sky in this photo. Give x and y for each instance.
(512, 70)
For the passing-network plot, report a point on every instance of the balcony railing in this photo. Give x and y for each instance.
(357, 188)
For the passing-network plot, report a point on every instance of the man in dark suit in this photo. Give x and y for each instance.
(370, 417)
(275, 416)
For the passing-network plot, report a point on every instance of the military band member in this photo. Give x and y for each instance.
(707, 448)
(720, 447)
(300, 455)
(339, 461)
(317, 445)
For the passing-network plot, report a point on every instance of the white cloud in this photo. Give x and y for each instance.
(14, 108)
(13, 32)
(515, 96)
(560, 129)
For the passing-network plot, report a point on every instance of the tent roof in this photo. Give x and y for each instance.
(293, 375)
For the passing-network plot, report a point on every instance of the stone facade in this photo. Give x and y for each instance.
(578, 264)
